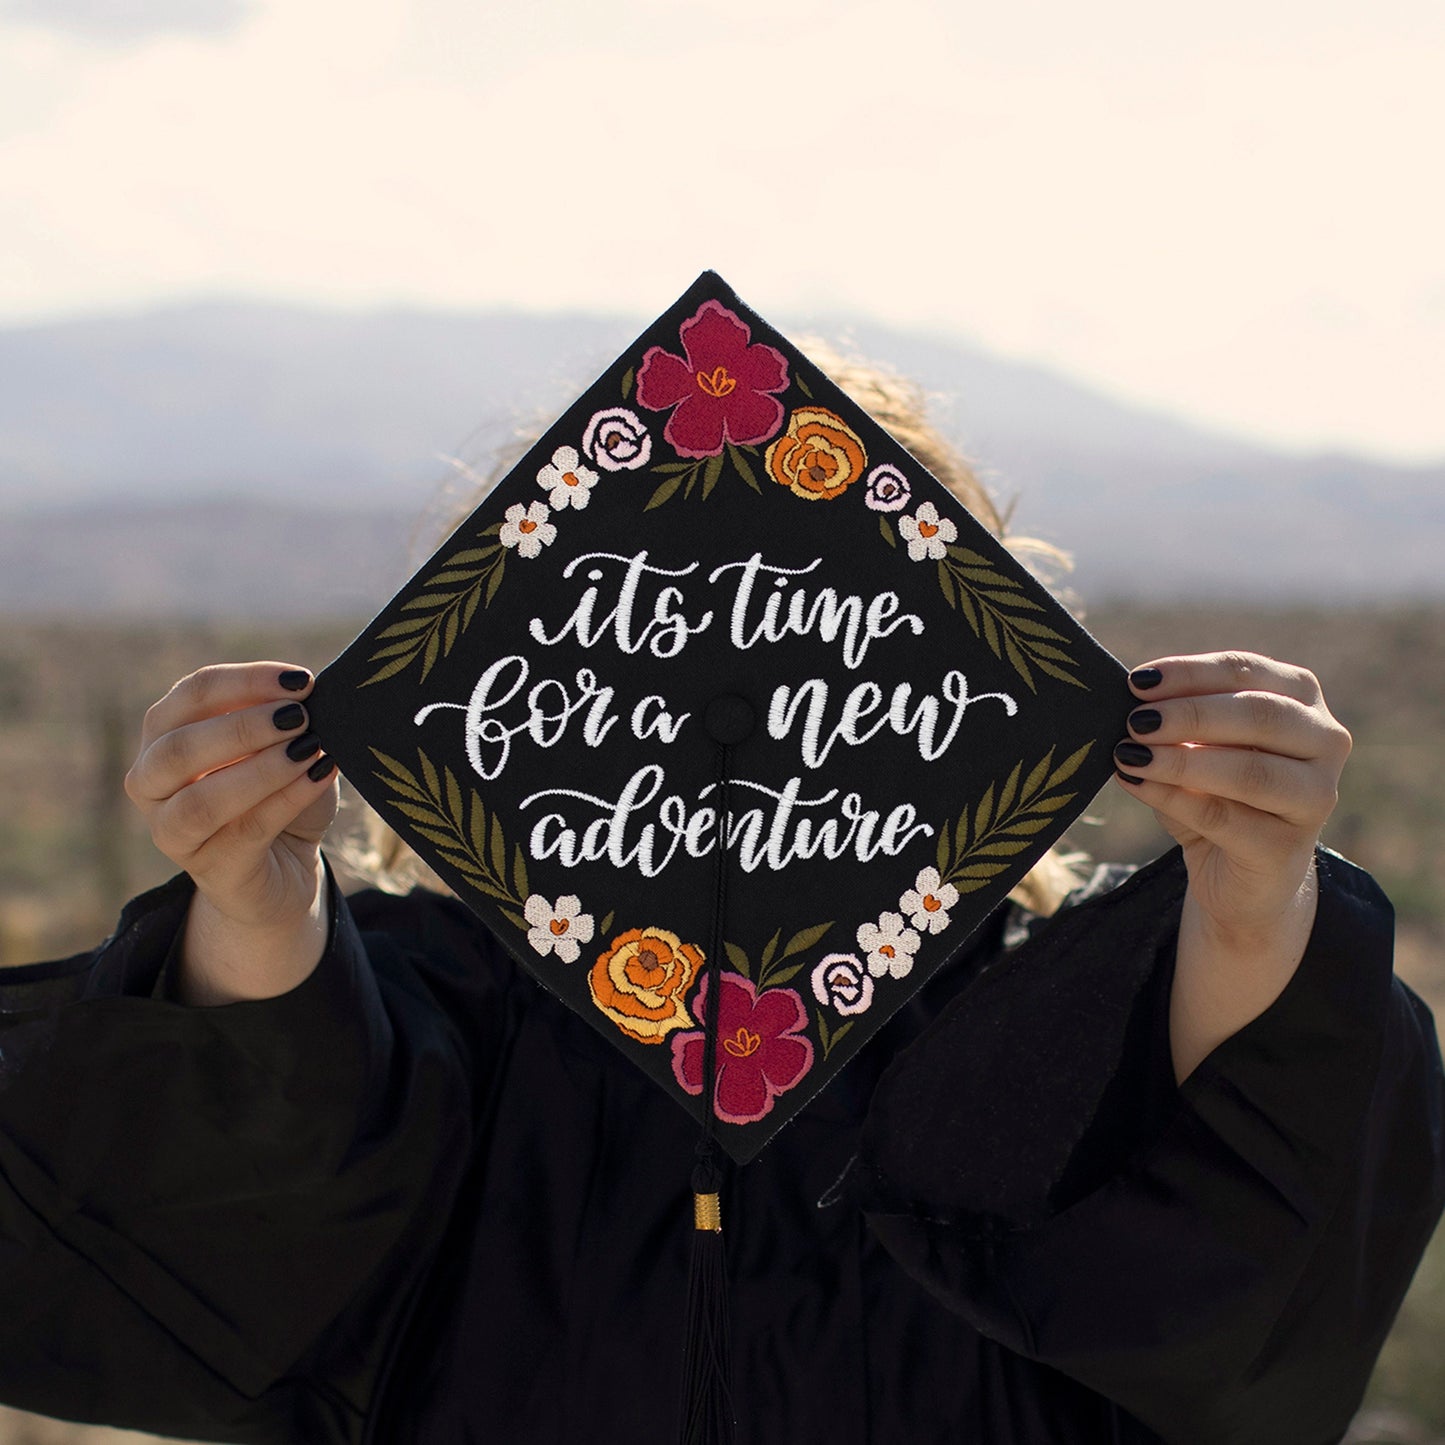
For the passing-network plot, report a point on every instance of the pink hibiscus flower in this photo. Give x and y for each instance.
(721, 391)
(760, 1050)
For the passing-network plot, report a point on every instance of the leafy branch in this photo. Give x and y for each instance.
(466, 838)
(685, 476)
(771, 973)
(1002, 824)
(997, 608)
(441, 611)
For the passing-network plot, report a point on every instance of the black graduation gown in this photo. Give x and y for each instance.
(416, 1200)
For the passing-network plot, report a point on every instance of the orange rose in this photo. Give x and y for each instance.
(641, 981)
(818, 457)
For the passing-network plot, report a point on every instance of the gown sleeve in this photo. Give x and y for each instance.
(1221, 1259)
(210, 1218)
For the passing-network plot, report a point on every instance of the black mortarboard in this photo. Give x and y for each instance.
(717, 586)
(714, 548)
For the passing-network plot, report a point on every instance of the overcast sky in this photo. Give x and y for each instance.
(1232, 210)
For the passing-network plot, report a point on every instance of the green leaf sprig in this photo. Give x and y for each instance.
(985, 838)
(441, 611)
(831, 1038)
(771, 973)
(998, 610)
(708, 470)
(465, 836)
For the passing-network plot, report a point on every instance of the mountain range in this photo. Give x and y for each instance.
(228, 458)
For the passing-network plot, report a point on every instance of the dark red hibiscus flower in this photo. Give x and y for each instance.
(721, 392)
(761, 1051)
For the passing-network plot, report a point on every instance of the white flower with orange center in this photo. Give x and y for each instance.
(928, 901)
(890, 945)
(568, 483)
(927, 534)
(562, 929)
(527, 529)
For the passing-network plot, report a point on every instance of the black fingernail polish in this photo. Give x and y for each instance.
(1145, 720)
(1127, 777)
(1133, 755)
(1146, 677)
(319, 769)
(293, 679)
(289, 716)
(306, 746)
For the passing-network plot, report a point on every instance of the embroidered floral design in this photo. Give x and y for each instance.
(818, 457)
(617, 440)
(926, 904)
(721, 392)
(887, 489)
(527, 529)
(999, 611)
(641, 981)
(442, 610)
(890, 946)
(927, 534)
(561, 930)
(761, 1049)
(840, 982)
(989, 838)
(568, 483)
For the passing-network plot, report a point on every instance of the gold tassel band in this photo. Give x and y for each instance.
(706, 1212)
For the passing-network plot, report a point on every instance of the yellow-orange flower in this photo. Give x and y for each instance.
(641, 981)
(819, 456)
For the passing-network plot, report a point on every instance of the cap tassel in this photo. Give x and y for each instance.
(707, 1354)
(707, 1403)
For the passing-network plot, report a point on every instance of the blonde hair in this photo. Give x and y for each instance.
(382, 859)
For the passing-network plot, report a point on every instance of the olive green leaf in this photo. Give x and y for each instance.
(831, 1040)
(664, 493)
(434, 807)
(738, 959)
(771, 973)
(770, 948)
(710, 474)
(806, 938)
(519, 872)
(441, 611)
(976, 847)
(997, 609)
(739, 458)
(685, 476)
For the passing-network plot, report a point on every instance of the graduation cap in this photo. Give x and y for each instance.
(726, 717)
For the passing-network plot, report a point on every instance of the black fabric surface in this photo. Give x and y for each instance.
(417, 1200)
(913, 719)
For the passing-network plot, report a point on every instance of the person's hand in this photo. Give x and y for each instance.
(1240, 760)
(237, 793)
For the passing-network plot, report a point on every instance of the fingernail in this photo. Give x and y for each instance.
(319, 769)
(1127, 777)
(306, 746)
(1133, 755)
(1146, 677)
(1145, 720)
(289, 716)
(294, 679)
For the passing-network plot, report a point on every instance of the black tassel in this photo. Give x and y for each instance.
(707, 1387)
(707, 1400)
